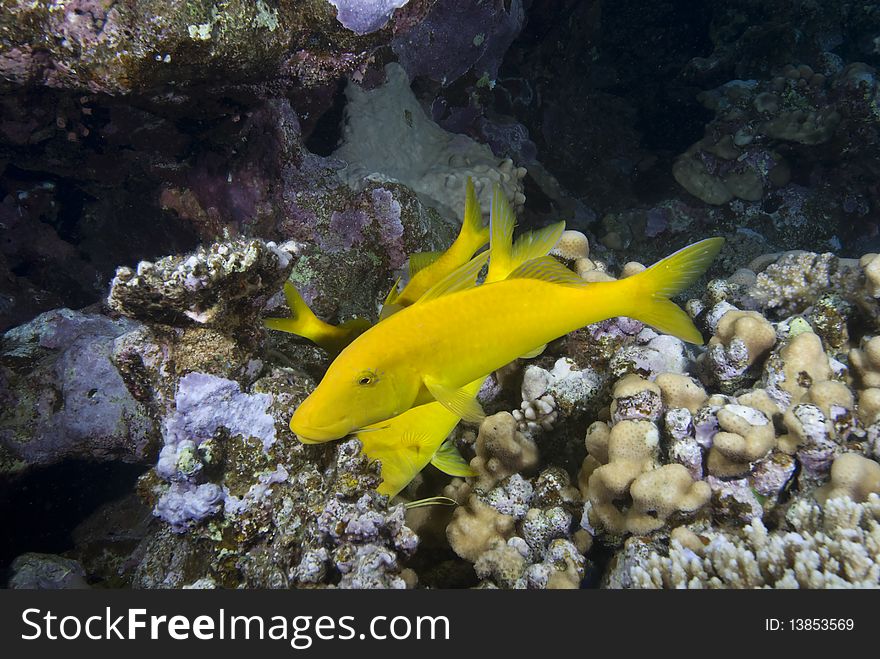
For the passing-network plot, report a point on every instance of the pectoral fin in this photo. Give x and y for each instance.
(458, 401)
(448, 460)
(534, 353)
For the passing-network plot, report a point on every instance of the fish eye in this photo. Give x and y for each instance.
(366, 378)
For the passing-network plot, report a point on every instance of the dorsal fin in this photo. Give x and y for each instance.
(538, 243)
(547, 269)
(457, 280)
(421, 260)
(472, 230)
(501, 225)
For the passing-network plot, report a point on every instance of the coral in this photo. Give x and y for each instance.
(870, 264)
(792, 369)
(659, 494)
(388, 137)
(631, 473)
(476, 528)
(225, 285)
(869, 405)
(833, 546)
(62, 396)
(548, 396)
(519, 535)
(361, 526)
(852, 476)
(680, 391)
(511, 496)
(631, 449)
(797, 279)
(745, 435)
(46, 572)
(865, 363)
(322, 524)
(365, 17)
(572, 246)
(203, 405)
(650, 355)
(634, 397)
(741, 340)
(502, 451)
(806, 114)
(684, 449)
(716, 173)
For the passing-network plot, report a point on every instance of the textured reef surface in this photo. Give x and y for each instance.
(165, 167)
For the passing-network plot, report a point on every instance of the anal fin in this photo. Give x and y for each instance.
(448, 460)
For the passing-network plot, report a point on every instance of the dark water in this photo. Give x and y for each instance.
(45, 506)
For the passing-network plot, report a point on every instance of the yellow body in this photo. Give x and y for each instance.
(446, 342)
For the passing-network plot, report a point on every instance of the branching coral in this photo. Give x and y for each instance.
(833, 546)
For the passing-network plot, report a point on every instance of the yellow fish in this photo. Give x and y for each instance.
(406, 443)
(427, 268)
(457, 333)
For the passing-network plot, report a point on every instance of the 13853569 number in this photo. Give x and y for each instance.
(821, 624)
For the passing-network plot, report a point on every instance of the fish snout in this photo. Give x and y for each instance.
(310, 430)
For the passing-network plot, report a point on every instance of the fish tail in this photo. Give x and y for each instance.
(303, 322)
(650, 290)
(473, 233)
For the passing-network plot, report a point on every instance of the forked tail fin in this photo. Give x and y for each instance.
(303, 322)
(649, 291)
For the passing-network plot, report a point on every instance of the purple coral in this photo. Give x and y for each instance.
(205, 403)
(365, 16)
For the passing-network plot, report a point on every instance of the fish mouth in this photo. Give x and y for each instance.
(317, 435)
